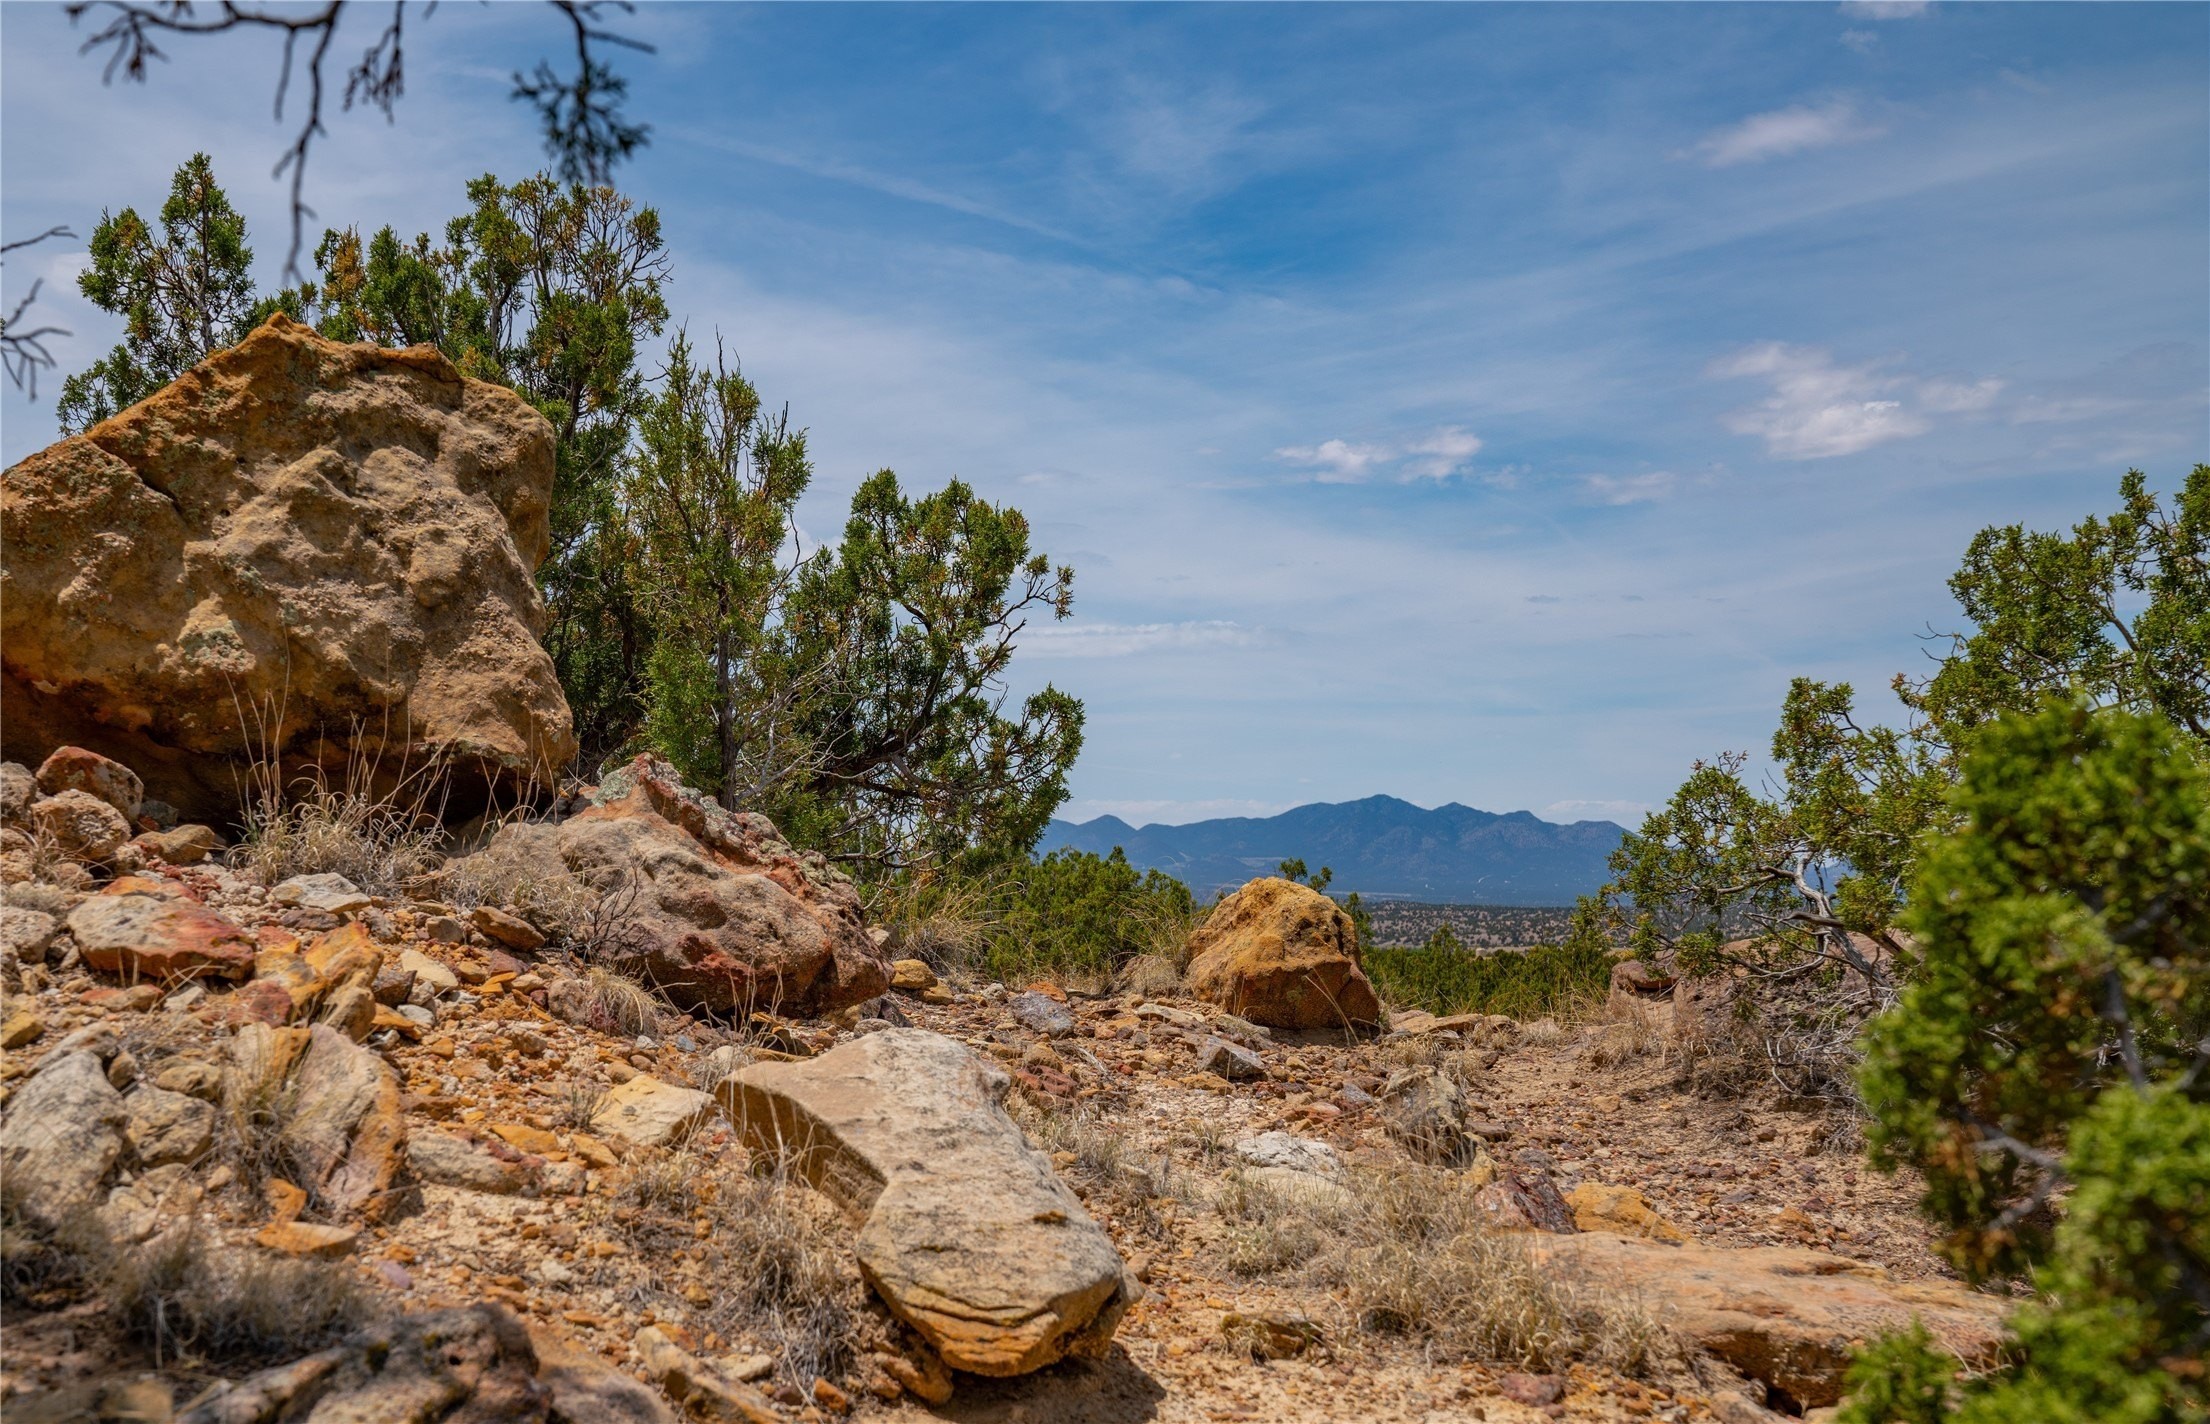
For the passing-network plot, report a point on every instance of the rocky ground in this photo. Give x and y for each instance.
(534, 1198)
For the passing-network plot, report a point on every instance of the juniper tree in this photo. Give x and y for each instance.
(2048, 1071)
(182, 293)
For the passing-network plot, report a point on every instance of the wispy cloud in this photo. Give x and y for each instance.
(1798, 128)
(1818, 408)
(1886, 9)
(1120, 640)
(1631, 489)
(1338, 461)
(1436, 456)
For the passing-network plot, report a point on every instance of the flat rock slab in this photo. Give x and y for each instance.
(159, 941)
(965, 1233)
(1789, 1317)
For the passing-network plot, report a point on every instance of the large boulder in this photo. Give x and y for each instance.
(716, 908)
(965, 1233)
(1791, 1318)
(1284, 955)
(318, 551)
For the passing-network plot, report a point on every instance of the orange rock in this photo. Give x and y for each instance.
(1283, 955)
(159, 940)
(307, 1238)
(397, 506)
(527, 1139)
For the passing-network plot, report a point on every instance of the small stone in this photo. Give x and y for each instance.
(829, 1397)
(1283, 1149)
(143, 937)
(167, 1127)
(18, 789)
(308, 1238)
(428, 971)
(185, 998)
(911, 976)
(22, 1027)
(191, 1078)
(26, 935)
(1231, 1061)
(650, 1113)
(75, 769)
(1533, 1390)
(444, 929)
(82, 827)
(1040, 1013)
(524, 1138)
(697, 1384)
(186, 845)
(503, 928)
(938, 994)
(1621, 1209)
(393, 986)
(327, 893)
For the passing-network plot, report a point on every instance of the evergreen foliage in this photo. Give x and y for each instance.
(1444, 977)
(859, 695)
(2048, 1071)
(182, 294)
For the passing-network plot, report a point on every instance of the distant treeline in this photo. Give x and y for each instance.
(1407, 922)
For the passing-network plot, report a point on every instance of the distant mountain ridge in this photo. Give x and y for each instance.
(1380, 846)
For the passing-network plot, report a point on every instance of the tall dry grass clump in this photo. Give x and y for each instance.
(1406, 1252)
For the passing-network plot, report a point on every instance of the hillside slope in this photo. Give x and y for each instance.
(1379, 846)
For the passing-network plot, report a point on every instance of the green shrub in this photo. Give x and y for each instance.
(2046, 1070)
(1071, 914)
(1445, 978)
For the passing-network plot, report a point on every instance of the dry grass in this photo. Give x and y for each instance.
(1406, 1252)
(1624, 1031)
(505, 875)
(182, 1295)
(612, 1002)
(784, 1261)
(579, 1103)
(377, 845)
(1143, 1189)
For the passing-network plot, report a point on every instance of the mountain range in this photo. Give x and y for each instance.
(1380, 846)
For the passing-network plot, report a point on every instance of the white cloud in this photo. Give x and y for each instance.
(1340, 462)
(1120, 640)
(1442, 454)
(1886, 9)
(1626, 813)
(1796, 129)
(1862, 41)
(1631, 489)
(1436, 456)
(1818, 408)
(1958, 397)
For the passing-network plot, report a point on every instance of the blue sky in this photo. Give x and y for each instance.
(1490, 403)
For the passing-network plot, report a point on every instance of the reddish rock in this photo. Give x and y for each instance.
(1284, 955)
(143, 937)
(1524, 1199)
(75, 769)
(726, 915)
(81, 826)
